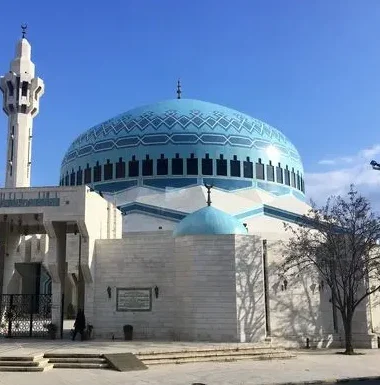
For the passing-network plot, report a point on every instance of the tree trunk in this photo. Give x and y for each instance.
(347, 323)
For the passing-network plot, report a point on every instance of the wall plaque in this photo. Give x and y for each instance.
(134, 299)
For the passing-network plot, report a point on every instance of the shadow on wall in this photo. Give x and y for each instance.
(250, 290)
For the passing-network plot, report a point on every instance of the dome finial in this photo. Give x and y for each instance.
(209, 187)
(179, 92)
(23, 29)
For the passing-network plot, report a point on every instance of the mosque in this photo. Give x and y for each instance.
(168, 217)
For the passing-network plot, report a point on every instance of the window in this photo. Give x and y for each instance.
(97, 172)
(279, 174)
(133, 167)
(38, 90)
(221, 166)
(79, 177)
(108, 170)
(162, 165)
(298, 181)
(120, 168)
(293, 178)
(192, 165)
(248, 168)
(287, 176)
(24, 89)
(207, 168)
(67, 178)
(23, 109)
(87, 174)
(260, 170)
(270, 172)
(177, 165)
(302, 185)
(235, 167)
(147, 166)
(72, 178)
(10, 88)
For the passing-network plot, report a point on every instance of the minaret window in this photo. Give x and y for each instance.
(287, 176)
(192, 165)
(248, 168)
(72, 178)
(235, 167)
(120, 168)
(87, 174)
(133, 167)
(79, 177)
(162, 165)
(260, 170)
(108, 170)
(221, 166)
(177, 165)
(10, 88)
(97, 172)
(279, 174)
(23, 109)
(207, 168)
(38, 90)
(293, 178)
(147, 166)
(24, 89)
(270, 172)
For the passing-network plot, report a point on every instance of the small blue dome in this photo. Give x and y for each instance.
(209, 221)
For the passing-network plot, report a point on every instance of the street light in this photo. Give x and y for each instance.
(375, 165)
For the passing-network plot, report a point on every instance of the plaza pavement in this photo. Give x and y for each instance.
(309, 365)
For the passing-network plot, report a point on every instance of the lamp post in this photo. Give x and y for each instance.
(375, 165)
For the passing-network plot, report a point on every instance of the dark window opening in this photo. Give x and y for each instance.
(293, 178)
(62, 181)
(24, 89)
(192, 165)
(133, 167)
(11, 108)
(97, 172)
(147, 166)
(221, 166)
(10, 88)
(270, 172)
(260, 170)
(302, 185)
(67, 179)
(177, 165)
(287, 176)
(207, 167)
(87, 174)
(38, 90)
(298, 181)
(23, 109)
(72, 178)
(162, 165)
(79, 177)
(108, 170)
(279, 174)
(235, 166)
(248, 168)
(120, 168)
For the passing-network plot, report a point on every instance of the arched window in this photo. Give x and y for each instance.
(221, 166)
(260, 170)
(108, 170)
(147, 166)
(279, 174)
(192, 165)
(248, 168)
(97, 172)
(79, 177)
(287, 175)
(133, 167)
(87, 174)
(270, 172)
(162, 165)
(293, 178)
(235, 167)
(207, 168)
(177, 165)
(72, 178)
(120, 168)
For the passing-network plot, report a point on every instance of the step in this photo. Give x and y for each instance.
(19, 363)
(74, 365)
(215, 359)
(82, 360)
(15, 358)
(72, 355)
(21, 369)
(217, 349)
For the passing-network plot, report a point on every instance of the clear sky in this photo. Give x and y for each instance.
(308, 67)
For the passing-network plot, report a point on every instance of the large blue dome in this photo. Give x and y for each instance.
(179, 143)
(209, 221)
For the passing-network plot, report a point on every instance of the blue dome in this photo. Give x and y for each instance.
(180, 143)
(209, 221)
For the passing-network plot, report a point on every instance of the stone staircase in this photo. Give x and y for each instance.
(76, 361)
(23, 364)
(226, 354)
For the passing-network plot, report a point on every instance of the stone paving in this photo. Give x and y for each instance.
(308, 366)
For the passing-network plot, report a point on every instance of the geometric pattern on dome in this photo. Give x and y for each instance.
(176, 138)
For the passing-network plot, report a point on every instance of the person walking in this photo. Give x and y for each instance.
(79, 324)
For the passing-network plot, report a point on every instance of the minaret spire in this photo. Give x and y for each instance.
(179, 91)
(21, 96)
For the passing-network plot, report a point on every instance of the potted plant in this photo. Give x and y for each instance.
(52, 330)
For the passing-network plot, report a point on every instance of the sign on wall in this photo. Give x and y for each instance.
(134, 299)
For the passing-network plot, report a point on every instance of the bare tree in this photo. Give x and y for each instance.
(340, 241)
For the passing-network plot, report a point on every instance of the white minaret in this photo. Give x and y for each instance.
(22, 92)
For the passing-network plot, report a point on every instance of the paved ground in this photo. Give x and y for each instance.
(308, 366)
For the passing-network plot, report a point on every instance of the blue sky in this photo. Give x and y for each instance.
(308, 67)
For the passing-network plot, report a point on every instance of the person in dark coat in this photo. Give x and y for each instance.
(79, 324)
